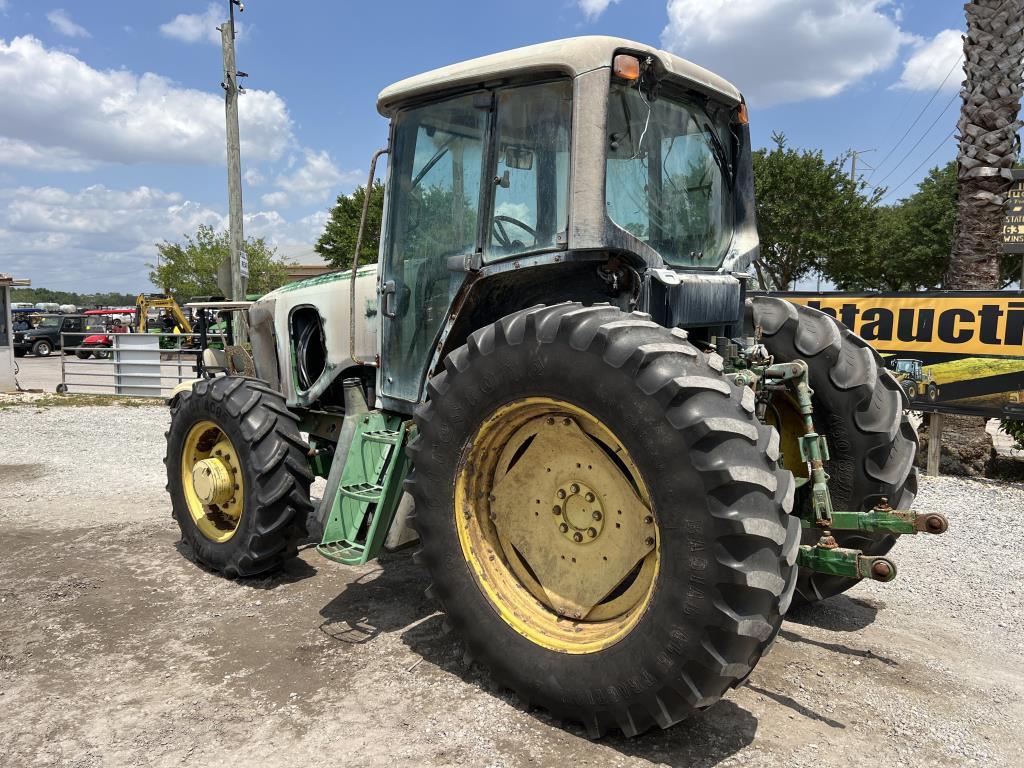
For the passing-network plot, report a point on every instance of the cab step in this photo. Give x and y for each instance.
(370, 489)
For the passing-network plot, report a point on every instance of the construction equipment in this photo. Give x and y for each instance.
(149, 302)
(916, 382)
(612, 455)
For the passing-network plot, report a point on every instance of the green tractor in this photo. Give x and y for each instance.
(915, 380)
(621, 468)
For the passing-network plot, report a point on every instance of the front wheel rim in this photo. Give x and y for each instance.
(212, 481)
(557, 525)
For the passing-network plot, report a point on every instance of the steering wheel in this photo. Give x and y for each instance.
(502, 236)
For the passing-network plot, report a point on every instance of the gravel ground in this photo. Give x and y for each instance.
(116, 650)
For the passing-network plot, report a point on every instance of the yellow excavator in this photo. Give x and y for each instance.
(149, 301)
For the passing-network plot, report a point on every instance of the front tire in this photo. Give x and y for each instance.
(860, 408)
(237, 475)
(42, 348)
(933, 393)
(635, 406)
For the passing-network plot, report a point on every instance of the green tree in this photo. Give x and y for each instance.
(80, 300)
(190, 269)
(337, 244)
(908, 243)
(809, 213)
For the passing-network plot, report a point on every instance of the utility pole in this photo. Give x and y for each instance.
(239, 267)
(854, 154)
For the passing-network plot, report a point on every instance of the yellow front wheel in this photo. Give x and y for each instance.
(238, 475)
(602, 515)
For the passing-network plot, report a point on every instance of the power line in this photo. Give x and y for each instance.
(913, 172)
(921, 113)
(924, 135)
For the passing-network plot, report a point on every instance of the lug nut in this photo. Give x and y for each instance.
(556, 509)
(648, 520)
(577, 537)
(574, 488)
(551, 420)
(561, 493)
(589, 496)
(596, 515)
(563, 527)
(592, 532)
(566, 422)
(649, 541)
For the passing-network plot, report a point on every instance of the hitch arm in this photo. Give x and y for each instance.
(885, 520)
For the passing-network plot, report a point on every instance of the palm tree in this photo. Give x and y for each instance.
(988, 125)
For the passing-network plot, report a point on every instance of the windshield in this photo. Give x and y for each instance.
(48, 322)
(669, 174)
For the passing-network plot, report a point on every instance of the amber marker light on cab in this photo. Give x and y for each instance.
(626, 67)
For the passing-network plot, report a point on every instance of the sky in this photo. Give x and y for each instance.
(112, 118)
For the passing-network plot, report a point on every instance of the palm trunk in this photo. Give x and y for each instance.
(988, 125)
(987, 129)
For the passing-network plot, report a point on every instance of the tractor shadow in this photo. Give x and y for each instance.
(837, 614)
(390, 598)
(294, 570)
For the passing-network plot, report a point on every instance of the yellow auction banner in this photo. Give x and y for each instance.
(955, 351)
(961, 324)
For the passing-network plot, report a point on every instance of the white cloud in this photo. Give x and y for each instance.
(61, 21)
(311, 182)
(253, 177)
(275, 199)
(932, 61)
(100, 238)
(594, 8)
(195, 27)
(57, 104)
(778, 51)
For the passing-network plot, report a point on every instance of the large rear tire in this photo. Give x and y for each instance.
(860, 408)
(237, 475)
(556, 416)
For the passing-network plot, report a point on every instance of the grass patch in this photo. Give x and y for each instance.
(76, 401)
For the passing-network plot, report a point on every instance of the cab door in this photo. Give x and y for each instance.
(432, 220)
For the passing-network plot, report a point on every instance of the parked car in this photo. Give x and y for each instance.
(45, 335)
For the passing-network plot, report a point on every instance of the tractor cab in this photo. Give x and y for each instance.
(586, 169)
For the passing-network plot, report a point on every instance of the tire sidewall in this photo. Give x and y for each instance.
(190, 410)
(42, 348)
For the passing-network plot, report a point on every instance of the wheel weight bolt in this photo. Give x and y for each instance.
(563, 527)
(577, 537)
(596, 515)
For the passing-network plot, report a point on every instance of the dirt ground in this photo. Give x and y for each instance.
(115, 650)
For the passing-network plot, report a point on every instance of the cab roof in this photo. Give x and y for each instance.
(573, 56)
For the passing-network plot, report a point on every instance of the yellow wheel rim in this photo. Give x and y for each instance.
(212, 481)
(557, 525)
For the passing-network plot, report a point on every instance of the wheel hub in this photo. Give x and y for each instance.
(212, 481)
(549, 458)
(211, 478)
(580, 514)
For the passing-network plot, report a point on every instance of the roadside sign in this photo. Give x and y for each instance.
(1013, 225)
(243, 261)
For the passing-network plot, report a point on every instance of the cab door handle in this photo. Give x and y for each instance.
(387, 294)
